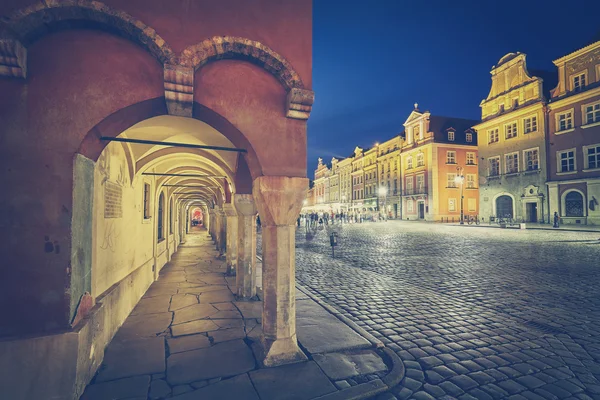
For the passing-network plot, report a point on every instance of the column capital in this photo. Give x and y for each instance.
(229, 210)
(245, 204)
(279, 199)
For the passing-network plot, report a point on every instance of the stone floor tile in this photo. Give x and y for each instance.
(224, 335)
(152, 305)
(186, 343)
(221, 360)
(343, 365)
(194, 312)
(238, 388)
(194, 327)
(147, 325)
(179, 301)
(132, 357)
(136, 386)
(159, 389)
(289, 382)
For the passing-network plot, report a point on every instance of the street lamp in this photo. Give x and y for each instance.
(460, 178)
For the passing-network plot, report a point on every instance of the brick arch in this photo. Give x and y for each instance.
(29, 24)
(222, 47)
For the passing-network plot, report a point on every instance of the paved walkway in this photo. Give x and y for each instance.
(189, 338)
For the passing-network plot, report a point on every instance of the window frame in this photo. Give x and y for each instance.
(409, 188)
(451, 183)
(497, 135)
(452, 201)
(469, 137)
(584, 121)
(531, 118)
(409, 162)
(472, 154)
(559, 131)
(160, 226)
(451, 136)
(514, 125)
(577, 75)
(448, 152)
(471, 183)
(586, 159)
(498, 158)
(420, 160)
(474, 200)
(559, 161)
(506, 162)
(420, 190)
(525, 166)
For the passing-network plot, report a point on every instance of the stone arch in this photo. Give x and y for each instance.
(222, 47)
(29, 24)
(494, 205)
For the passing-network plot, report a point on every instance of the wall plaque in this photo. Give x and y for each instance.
(113, 196)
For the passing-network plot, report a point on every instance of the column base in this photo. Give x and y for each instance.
(280, 351)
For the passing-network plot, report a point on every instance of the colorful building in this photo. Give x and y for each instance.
(435, 151)
(574, 138)
(511, 144)
(388, 163)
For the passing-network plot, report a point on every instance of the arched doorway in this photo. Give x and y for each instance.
(504, 206)
(574, 204)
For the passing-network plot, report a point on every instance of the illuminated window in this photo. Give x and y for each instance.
(511, 130)
(470, 158)
(494, 166)
(493, 135)
(578, 82)
(451, 180)
(409, 163)
(592, 113)
(146, 200)
(451, 157)
(566, 161)
(471, 181)
(451, 205)
(451, 136)
(593, 156)
(512, 163)
(469, 137)
(409, 185)
(420, 160)
(530, 124)
(531, 159)
(565, 121)
(472, 205)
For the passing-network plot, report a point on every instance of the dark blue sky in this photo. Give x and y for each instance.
(373, 59)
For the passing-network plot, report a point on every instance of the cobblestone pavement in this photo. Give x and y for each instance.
(473, 312)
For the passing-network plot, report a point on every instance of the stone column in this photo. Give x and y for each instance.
(211, 223)
(279, 201)
(217, 230)
(232, 233)
(223, 232)
(246, 245)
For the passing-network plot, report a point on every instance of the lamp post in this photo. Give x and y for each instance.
(460, 178)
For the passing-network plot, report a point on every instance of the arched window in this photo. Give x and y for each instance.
(171, 217)
(161, 206)
(574, 204)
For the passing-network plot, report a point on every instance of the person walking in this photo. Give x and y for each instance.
(556, 218)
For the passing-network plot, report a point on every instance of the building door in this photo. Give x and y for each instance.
(531, 210)
(421, 210)
(504, 207)
(395, 210)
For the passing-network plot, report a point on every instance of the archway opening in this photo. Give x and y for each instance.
(574, 204)
(504, 207)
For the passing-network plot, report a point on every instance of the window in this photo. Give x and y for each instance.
(471, 181)
(409, 205)
(511, 130)
(409, 163)
(451, 204)
(494, 166)
(470, 158)
(532, 162)
(512, 163)
(472, 205)
(146, 200)
(592, 113)
(530, 124)
(469, 137)
(409, 185)
(450, 157)
(451, 180)
(451, 136)
(565, 121)
(567, 161)
(593, 157)
(171, 217)
(578, 82)
(420, 160)
(420, 183)
(574, 204)
(493, 135)
(159, 222)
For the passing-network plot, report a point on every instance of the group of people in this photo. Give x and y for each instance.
(314, 219)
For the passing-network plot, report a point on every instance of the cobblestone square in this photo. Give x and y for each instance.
(473, 312)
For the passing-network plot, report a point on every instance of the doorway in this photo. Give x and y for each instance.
(531, 212)
(504, 207)
(395, 210)
(421, 210)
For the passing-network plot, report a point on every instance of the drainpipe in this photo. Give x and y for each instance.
(546, 111)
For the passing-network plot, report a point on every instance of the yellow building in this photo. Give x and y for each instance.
(389, 182)
(435, 151)
(345, 181)
(358, 183)
(370, 205)
(512, 152)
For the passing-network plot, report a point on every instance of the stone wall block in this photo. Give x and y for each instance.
(299, 103)
(179, 90)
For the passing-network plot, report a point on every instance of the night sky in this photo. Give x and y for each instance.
(373, 59)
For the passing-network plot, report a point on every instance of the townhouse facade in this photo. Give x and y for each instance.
(389, 187)
(574, 138)
(511, 144)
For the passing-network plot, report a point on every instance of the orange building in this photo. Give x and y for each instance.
(438, 163)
